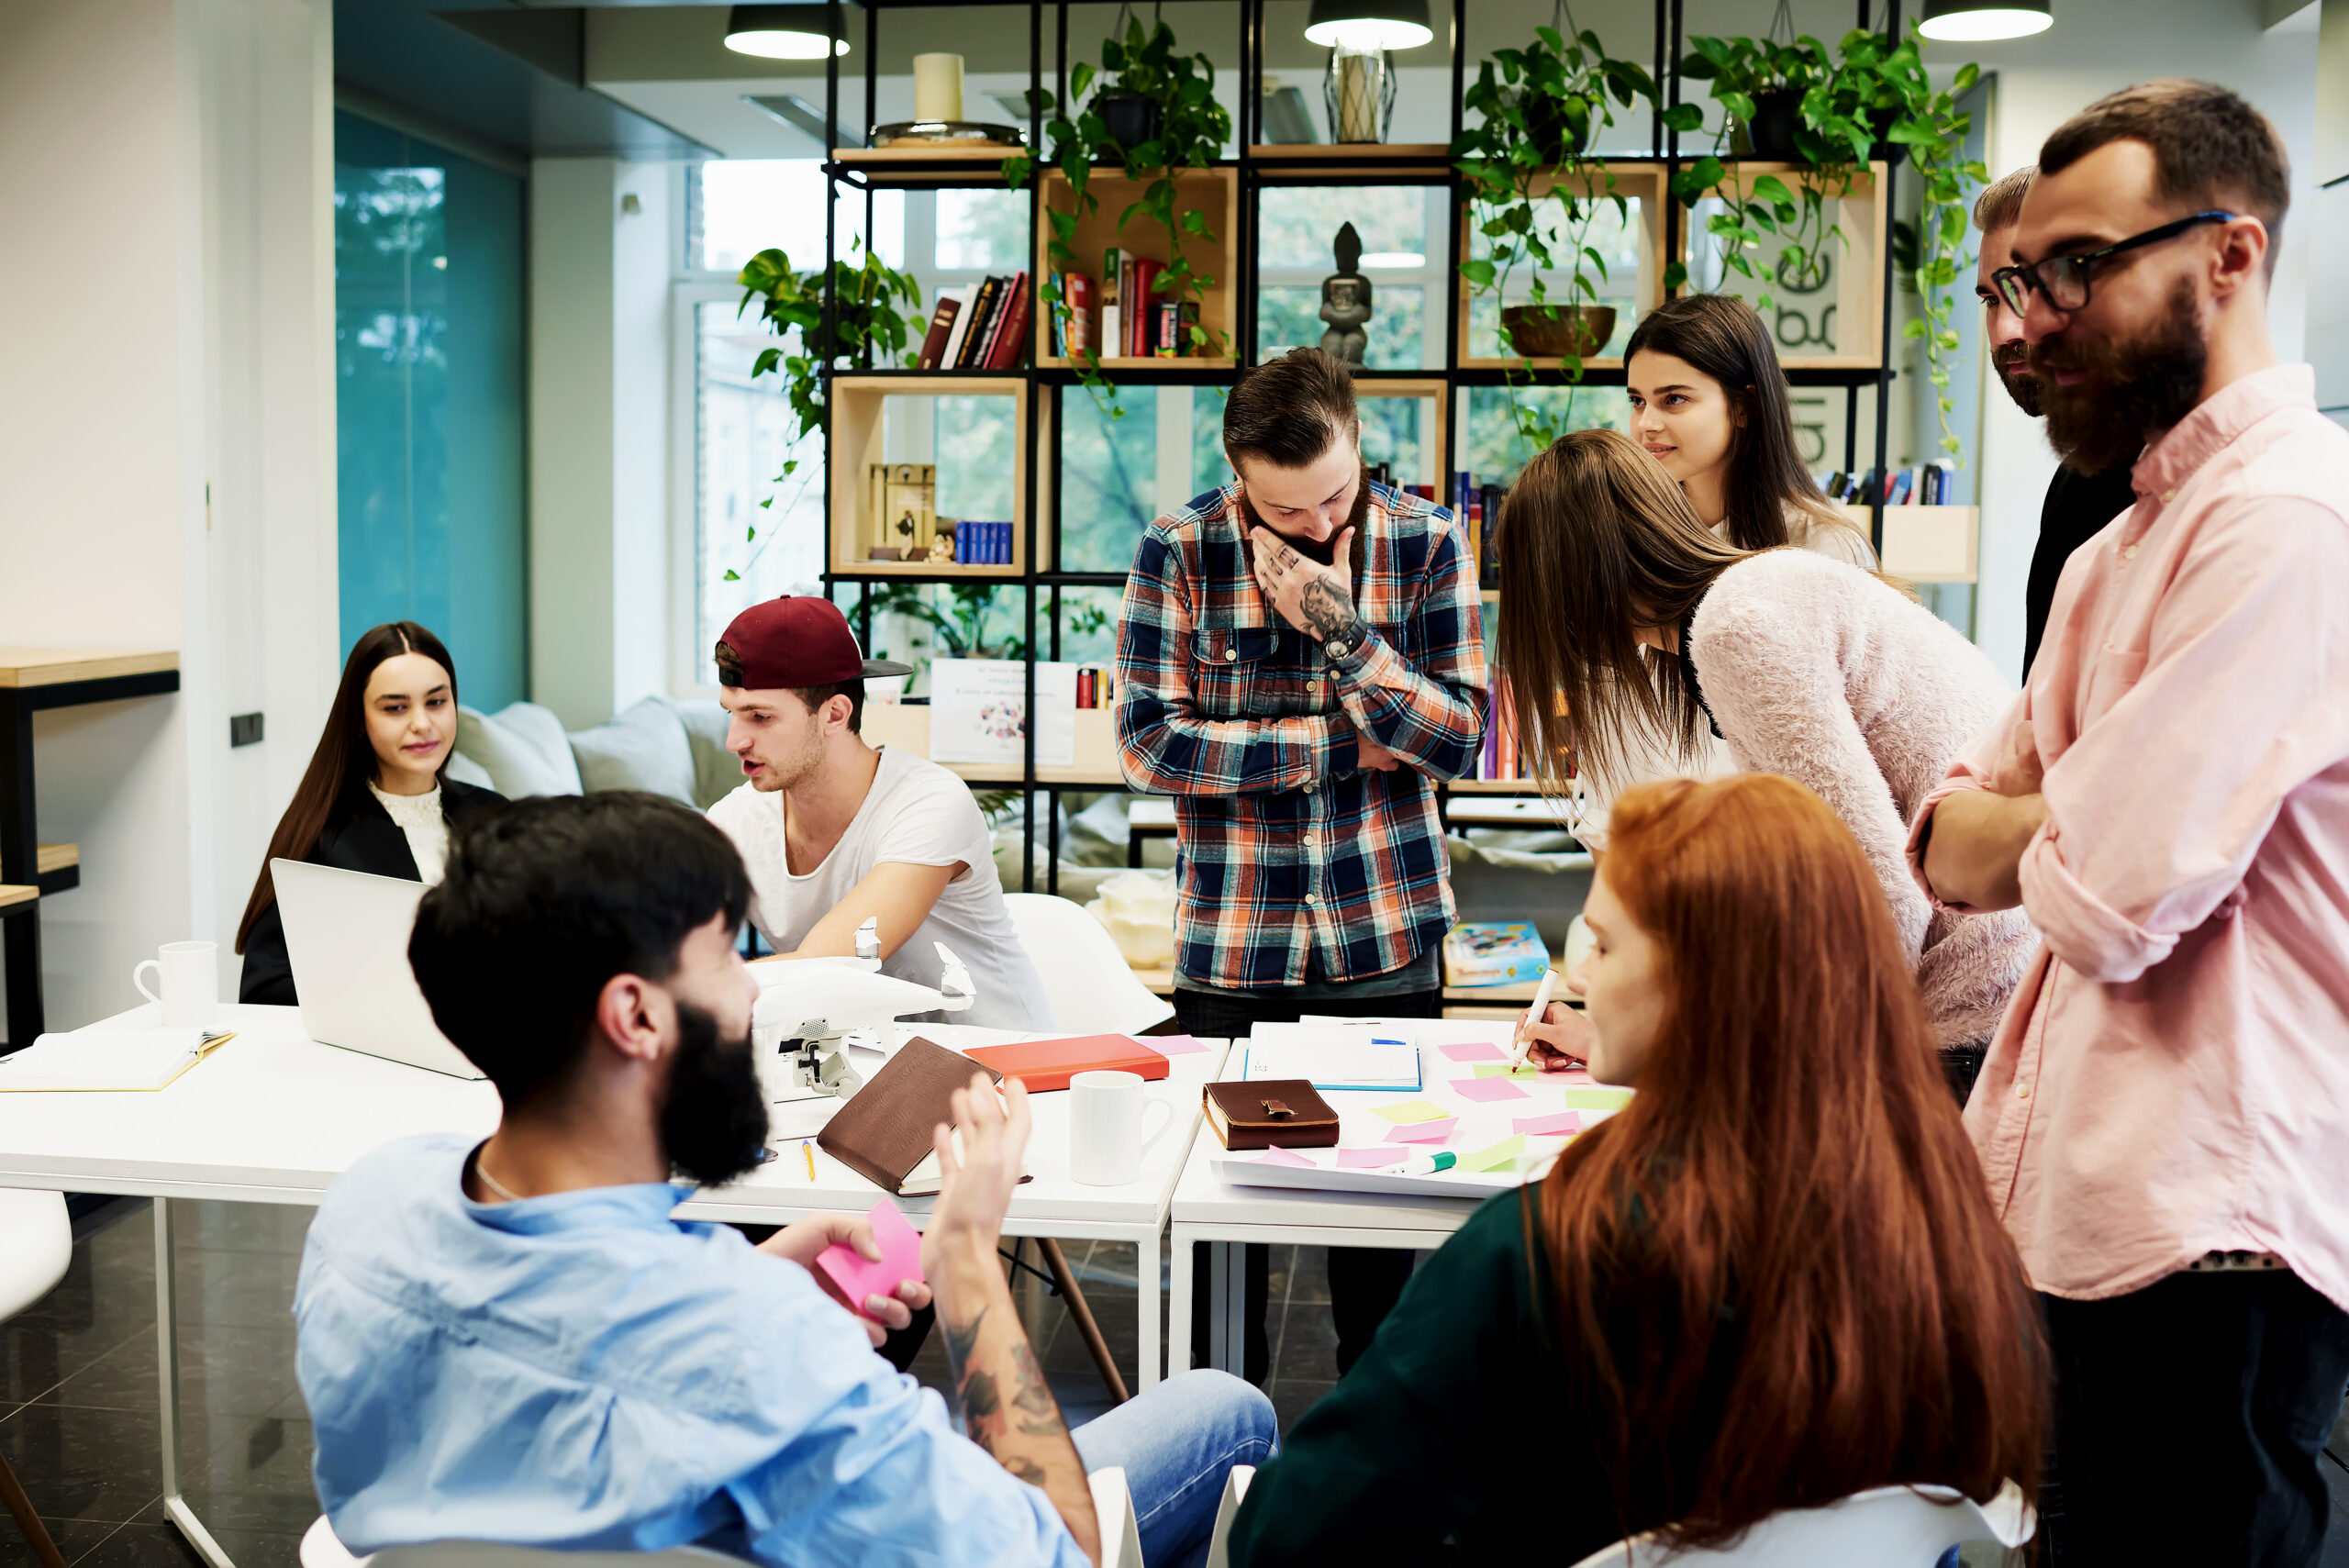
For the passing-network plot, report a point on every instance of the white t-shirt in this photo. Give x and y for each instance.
(917, 814)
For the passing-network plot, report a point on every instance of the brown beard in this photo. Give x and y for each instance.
(2132, 390)
(1322, 551)
(2014, 374)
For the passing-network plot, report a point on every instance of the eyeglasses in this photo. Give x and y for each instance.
(2063, 280)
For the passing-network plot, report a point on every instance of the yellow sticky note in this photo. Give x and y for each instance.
(1405, 1112)
(1601, 1099)
(1497, 1156)
(1503, 1070)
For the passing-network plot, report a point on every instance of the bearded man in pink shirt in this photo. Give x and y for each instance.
(2163, 1113)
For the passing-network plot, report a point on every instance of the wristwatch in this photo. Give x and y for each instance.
(1346, 642)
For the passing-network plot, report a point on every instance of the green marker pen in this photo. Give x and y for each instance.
(1428, 1164)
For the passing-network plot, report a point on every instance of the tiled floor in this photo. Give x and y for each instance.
(78, 1397)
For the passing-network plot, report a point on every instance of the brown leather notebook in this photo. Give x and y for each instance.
(882, 1132)
(1284, 1111)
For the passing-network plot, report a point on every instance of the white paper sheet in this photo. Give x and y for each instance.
(978, 712)
(101, 1058)
(1333, 1056)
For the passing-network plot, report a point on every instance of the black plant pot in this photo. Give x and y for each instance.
(1558, 138)
(1777, 114)
(1130, 118)
(1891, 152)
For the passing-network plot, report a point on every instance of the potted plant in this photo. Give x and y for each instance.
(1535, 194)
(865, 321)
(1154, 115)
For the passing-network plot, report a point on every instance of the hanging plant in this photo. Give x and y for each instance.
(1153, 116)
(868, 323)
(1543, 107)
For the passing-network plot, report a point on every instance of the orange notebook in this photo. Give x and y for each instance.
(1044, 1064)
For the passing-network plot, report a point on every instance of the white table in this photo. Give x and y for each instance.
(272, 1117)
(1229, 1216)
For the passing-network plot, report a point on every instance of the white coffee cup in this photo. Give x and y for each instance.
(189, 976)
(1104, 1140)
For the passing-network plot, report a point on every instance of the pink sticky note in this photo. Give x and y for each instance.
(1474, 1051)
(1487, 1089)
(1281, 1157)
(1557, 1124)
(1426, 1131)
(1369, 1158)
(858, 1276)
(1173, 1044)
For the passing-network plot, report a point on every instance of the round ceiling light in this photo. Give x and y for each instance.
(1982, 21)
(781, 32)
(1368, 24)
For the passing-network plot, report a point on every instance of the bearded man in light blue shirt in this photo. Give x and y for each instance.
(512, 1341)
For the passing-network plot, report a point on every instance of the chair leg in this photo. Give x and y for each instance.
(21, 1506)
(1065, 1277)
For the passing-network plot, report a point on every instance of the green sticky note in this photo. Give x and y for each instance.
(1503, 1070)
(1406, 1112)
(1499, 1156)
(1597, 1099)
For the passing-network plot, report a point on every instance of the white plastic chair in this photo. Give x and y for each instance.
(1086, 980)
(1888, 1527)
(36, 1245)
(1113, 1511)
(1235, 1492)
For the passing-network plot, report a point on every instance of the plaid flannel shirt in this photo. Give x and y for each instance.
(1285, 846)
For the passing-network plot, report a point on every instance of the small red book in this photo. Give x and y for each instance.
(1045, 1064)
(1011, 333)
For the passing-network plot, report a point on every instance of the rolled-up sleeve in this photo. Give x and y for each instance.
(2155, 812)
(1971, 771)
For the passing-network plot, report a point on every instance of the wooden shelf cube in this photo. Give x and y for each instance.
(1643, 184)
(1215, 192)
(1928, 544)
(1436, 439)
(859, 407)
(1839, 325)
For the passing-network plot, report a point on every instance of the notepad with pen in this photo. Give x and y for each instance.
(99, 1061)
(1333, 1056)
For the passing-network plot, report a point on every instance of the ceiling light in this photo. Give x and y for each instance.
(781, 32)
(1368, 24)
(1980, 21)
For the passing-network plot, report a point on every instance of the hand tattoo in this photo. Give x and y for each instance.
(1328, 612)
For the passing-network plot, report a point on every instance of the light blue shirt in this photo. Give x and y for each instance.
(582, 1371)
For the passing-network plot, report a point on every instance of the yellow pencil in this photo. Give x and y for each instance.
(807, 1147)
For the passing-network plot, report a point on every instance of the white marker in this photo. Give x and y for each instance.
(1428, 1164)
(1533, 1015)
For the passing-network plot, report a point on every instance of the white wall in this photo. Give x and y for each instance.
(166, 166)
(2096, 47)
(599, 369)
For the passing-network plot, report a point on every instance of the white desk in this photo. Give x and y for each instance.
(272, 1117)
(1208, 1209)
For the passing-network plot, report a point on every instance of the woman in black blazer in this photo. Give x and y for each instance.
(376, 797)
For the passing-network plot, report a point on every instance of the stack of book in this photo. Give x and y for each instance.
(1476, 504)
(979, 327)
(1930, 484)
(981, 543)
(1128, 320)
(1095, 686)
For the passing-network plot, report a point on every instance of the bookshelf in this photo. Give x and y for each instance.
(1920, 544)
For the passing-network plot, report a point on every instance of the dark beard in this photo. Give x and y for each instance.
(713, 1115)
(2014, 374)
(2131, 390)
(1323, 551)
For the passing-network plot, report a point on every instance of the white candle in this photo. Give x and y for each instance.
(938, 86)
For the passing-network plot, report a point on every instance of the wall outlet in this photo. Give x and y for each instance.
(244, 729)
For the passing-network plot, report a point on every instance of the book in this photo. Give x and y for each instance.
(1142, 308)
(1494, 953)
(1048, 1064)
(1011, 334)
(1488, 546)
(1172, 334)
(97, 1060)
(984, 306)
(942, 327)
(1115, 276)
(1281, 1112)
(960, 330)
(883, 1131)
(1077, 294)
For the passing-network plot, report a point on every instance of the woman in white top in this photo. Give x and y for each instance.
(375, 798)
(1622, 609)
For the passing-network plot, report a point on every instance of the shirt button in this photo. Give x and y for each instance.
(1230, 653)
(2169, 494)
(1310, 901)
(2127, 552)
(2022, 1091)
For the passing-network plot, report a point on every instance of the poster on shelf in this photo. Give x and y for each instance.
(978, 712)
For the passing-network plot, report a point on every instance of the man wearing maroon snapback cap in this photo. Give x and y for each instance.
(836, 832)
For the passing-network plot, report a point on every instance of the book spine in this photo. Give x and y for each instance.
(982, 309)
(942, 327)
(960, 331)
(1129, 303)
(1146, 301)
(1013, 334)
(1488, 556)
(1077, 291)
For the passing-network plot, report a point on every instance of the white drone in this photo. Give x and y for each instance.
(808, 1007)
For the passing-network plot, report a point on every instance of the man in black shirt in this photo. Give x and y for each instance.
(2078, 505)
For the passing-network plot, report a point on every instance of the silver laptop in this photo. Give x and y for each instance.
(346, 935)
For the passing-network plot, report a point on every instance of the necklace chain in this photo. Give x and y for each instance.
(500, 1188)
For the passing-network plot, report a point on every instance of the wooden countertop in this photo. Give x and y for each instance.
(55, 666)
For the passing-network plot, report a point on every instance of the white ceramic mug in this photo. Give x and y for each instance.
(189, 976)
(1104, 1140)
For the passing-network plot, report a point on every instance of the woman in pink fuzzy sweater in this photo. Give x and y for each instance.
(1804, 666)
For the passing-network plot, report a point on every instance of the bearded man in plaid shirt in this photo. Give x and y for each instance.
(1302, 657)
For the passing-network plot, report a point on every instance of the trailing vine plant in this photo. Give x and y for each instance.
(1193, 129)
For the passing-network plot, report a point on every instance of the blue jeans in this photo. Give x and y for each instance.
(1176, 1442)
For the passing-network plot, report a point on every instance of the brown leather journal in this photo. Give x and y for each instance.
(883, 1131)
(1284, 1111)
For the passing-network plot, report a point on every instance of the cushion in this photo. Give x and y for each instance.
(521, 748)
(718, 773)
(643, 746)
(465, 770)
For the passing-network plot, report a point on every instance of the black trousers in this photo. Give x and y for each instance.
(2189, 1420)
(1364, 1281)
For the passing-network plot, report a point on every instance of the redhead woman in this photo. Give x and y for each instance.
(1622, 608)
(1694, 1321)
(376, 797)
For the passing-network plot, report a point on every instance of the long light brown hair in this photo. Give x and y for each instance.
(339, 769)
(1595, 543)
(1781, 1255)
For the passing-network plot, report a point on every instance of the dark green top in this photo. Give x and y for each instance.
(1455, 1436)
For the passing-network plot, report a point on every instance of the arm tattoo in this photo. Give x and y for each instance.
(960, 1340)
(1329, 612)
(993, 1421)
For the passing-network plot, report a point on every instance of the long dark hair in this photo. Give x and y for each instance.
(1721, 336)
(1598, 541)
(344, 762)
(1807, 1324)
